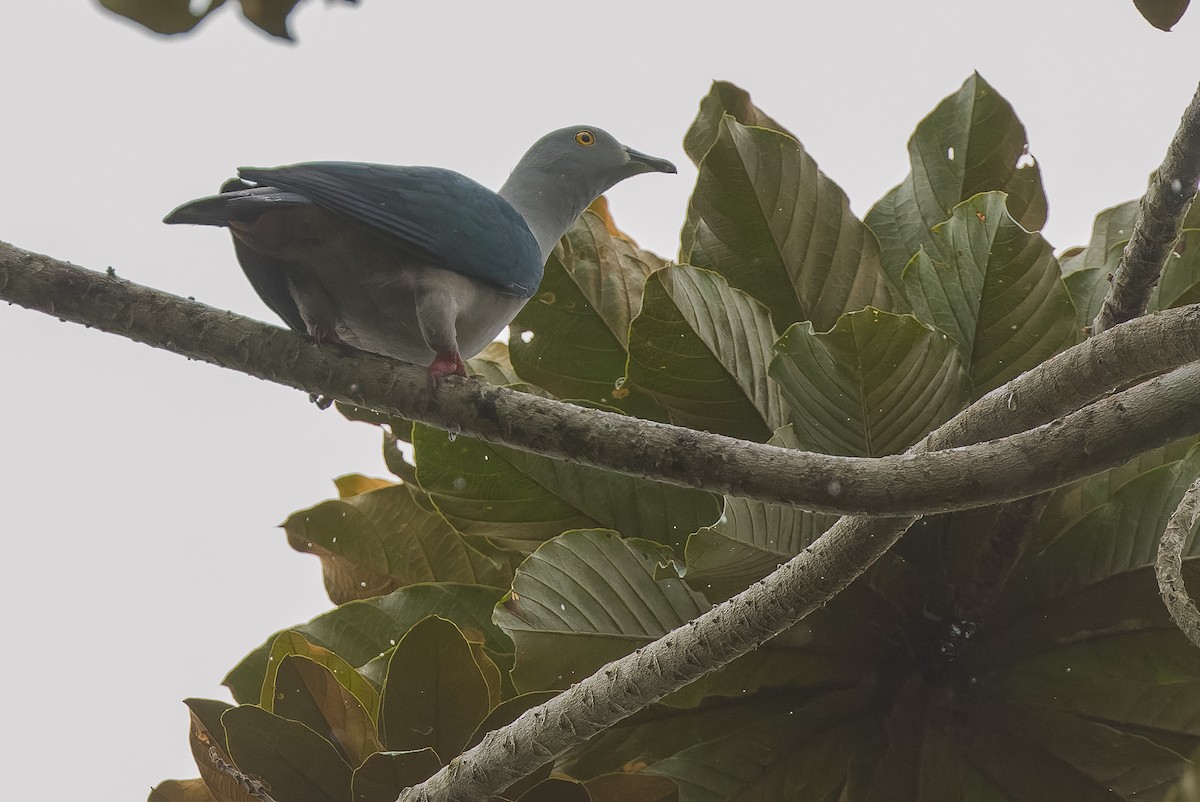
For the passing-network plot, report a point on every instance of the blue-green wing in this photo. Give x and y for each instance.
(438, 215)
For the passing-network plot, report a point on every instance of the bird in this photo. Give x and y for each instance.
(418, 263)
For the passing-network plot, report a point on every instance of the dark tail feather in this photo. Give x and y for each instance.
(237, 201)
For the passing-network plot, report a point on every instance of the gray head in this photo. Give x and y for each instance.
(565, 171)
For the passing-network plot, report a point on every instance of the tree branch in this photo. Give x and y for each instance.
(1168, 567)
(1157, 226)
(1101, 436)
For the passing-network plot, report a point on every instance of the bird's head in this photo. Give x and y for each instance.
(589, 158)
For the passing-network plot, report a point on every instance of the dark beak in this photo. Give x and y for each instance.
(650, 163)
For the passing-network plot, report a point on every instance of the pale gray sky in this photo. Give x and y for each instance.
(139, 491)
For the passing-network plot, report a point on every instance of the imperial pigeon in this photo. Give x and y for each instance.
(417, 263)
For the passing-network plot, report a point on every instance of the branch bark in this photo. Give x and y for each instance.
(1157, 226)
(1168, 567)
(1100, 436)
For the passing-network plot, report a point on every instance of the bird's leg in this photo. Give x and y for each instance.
(443, 365)
(437, 311)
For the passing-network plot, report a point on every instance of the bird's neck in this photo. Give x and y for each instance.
(548, 202)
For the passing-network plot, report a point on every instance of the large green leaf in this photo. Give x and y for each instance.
(873, 385)
(178, 16)
(764, 217)
(1188, 788)
(293, 762)
(523, 499)
(288, 644)
(182, 791)
(376, 541)
(1086, 271)
(750, 539)
(1118, 536)
(308, 692)
(1096, 759)
(995, 289)
(971, 143)
(206, 737)
(361, 630)
(701, 348)
(385, 774)
(1179, 284)
(777, 744)
(572, 337)
(1140, 679)
(585, 598)
(723, 99)
(435, 695)
(1162, 14)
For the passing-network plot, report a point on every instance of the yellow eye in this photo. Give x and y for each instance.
(585, 138)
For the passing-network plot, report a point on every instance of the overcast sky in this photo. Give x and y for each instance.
(139, 492)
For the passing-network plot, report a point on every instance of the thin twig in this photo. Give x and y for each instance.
(1168, 567)
(1157, 226)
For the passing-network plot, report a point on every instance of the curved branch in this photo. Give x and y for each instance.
(1168, 567)
(1086, 442)
(1157, 226)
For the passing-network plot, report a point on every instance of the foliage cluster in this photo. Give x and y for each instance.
(486, 578)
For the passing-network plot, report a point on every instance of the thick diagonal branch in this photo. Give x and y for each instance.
(1168, 567)
(1157, 226)
(1100, 436)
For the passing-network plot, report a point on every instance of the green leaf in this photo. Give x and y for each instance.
(873, 385)
(971, 143)
(750, 539)
(176, 16)
(625, 787)
(293, 643)
(723, 99)
(493, 364)
(161, 16)
(1180, 281)
(995, 289)
(181, 791)
(701, 348)
(1188, 788)
(521, 499)
(572, 337)
(585, 598)
(778, 744)
(1162, 14)
(1125, 766)
(361, 630)
(206, 737)
(556, 789)
(382, 539)
(1119, 536)
(295, 763)
(435, 695)
(1088, 271)
(1137, 679)
(386, 774)
(308, 692)
(764, 217)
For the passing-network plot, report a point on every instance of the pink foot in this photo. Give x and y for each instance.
(444, 365)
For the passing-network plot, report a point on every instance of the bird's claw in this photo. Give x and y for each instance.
(443, 365)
